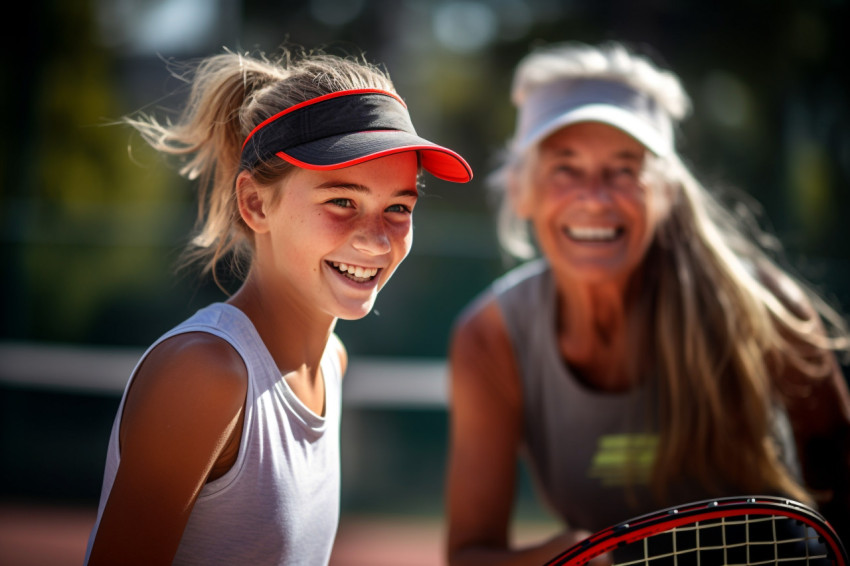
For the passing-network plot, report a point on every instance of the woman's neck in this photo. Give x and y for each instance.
(599, 332)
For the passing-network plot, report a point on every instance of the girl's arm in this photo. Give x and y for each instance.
(181, 411)
(486, 422)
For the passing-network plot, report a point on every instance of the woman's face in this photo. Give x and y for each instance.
(592, 216)
(335, 237)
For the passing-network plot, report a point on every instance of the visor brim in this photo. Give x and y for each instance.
(349, 149)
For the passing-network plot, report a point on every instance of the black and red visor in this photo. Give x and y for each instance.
(346, 128)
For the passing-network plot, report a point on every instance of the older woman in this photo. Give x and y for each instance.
(653, 354)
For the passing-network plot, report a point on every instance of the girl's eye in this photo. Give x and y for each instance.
(341, 202)
(399, 208)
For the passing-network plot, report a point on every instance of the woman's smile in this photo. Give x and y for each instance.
(594, 234)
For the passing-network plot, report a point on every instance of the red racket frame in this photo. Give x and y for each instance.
(650, 524)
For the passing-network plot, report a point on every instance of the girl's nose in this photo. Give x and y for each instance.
(371, 238)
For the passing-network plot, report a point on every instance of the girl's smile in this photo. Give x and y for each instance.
(357, 274)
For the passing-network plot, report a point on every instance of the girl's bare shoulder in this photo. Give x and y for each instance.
(184, 372)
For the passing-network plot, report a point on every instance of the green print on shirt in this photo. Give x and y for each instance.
(624, 459)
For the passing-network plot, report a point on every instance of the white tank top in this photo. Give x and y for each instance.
(279, 503)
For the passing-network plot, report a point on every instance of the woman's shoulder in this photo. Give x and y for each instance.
(482, 358)
(521, 275)
(484, 314)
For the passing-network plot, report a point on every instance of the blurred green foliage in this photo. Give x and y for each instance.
(93, 222)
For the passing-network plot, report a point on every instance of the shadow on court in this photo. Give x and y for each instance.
(44, 535)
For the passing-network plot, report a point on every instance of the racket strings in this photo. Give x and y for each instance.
(749, 540)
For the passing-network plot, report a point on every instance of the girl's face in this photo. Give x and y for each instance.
(335, 237)
(592, 216)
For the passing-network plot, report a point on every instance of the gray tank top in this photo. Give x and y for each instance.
(589, 452)
(279, 503)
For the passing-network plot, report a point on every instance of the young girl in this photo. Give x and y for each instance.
(225, 448)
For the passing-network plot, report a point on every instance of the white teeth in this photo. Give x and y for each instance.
(356, 271)
(592, 233)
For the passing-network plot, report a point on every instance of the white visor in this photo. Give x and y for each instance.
(555, 105)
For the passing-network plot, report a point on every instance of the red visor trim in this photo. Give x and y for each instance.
(350, 162)
(449, 156)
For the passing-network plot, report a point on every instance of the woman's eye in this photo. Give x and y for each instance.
(566, 169)
(567, 174)
(624, 175)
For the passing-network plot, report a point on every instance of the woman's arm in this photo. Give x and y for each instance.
(181, 411)
(485, 429)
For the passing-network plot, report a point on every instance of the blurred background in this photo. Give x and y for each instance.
(93, 222)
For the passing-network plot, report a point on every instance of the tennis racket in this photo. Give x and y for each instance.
(755, 530)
